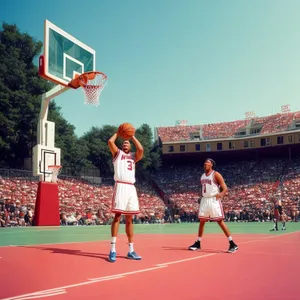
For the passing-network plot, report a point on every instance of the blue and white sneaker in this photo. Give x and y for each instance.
(133, 255)
(112, 257)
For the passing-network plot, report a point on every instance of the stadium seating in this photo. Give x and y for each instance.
(253, 185)
(270, 124)
(80, 202)
(252, 188)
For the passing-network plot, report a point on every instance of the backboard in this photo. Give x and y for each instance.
(43, 157)
(64, 56)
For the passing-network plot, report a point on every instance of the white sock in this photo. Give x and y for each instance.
(229, 238)
(199, 239)
(113, 244)
(131, 247)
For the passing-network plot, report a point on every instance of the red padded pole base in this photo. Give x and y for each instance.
(47, 205)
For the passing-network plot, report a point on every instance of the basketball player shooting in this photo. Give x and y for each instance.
(210, 205)
(125, 199)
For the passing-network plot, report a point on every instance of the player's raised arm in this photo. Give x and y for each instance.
(112, 146)
(139, 149)
(220, 180)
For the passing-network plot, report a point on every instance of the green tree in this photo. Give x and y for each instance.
(20, 99)
(150, 160)
(20, 86)
(74, 152)
(99, 155)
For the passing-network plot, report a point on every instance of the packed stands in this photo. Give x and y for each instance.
(269, 124)
(80, 202)
(289, 189)
(253, 186)
(222, 130)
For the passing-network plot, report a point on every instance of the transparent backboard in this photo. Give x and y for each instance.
(64, 56)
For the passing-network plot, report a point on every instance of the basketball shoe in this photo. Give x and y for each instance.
(232, 247)
(195, 246)
(112, 257)
(133, 255)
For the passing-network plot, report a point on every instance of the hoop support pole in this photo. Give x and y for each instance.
(46, 97)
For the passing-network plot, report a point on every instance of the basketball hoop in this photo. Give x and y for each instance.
(92, 83)
(55, 171)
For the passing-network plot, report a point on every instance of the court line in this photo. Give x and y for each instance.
(43, 295)
(144, 237)
(186, 259)
(54, 291)
(129, 273)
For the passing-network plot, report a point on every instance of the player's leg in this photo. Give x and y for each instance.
(119, 203)
(114, 233)
(115, 226)
(281, 217)
(217, 214)
(129, 228)
(232, 245)
(131, 209)
(203, 217)
(197, 243)
(275, 220)
(129, 231)
(275, 225)
(283, 220)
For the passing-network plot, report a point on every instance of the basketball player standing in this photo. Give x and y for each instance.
(125, 200)
(210, 205)
(278, 215)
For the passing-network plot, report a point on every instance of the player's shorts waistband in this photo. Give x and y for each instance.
(124, 182)
(207, 198)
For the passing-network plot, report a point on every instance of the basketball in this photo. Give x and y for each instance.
(126, 131)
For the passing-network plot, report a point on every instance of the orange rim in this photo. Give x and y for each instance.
(81, 80)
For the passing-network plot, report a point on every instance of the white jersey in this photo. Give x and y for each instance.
(210, 187)
(124, 167)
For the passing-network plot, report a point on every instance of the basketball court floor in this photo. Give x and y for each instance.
(71, 263)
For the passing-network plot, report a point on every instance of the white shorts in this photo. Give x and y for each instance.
(211, 209)
(125, 199)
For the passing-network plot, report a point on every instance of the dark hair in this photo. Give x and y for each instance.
(212, 162)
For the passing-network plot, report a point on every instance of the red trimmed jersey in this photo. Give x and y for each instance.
(124, 167)
(210, 187)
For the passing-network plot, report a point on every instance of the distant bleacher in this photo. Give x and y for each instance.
(270, 124)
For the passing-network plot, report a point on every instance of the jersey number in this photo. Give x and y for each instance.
(129, 165)
(204, 188)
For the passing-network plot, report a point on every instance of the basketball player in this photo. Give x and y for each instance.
(210, 205)
(278, 215)
(125, 200)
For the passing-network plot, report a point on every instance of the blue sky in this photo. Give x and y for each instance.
(167, 60)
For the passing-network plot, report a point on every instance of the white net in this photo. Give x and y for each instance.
(55, 172)
(93, 88)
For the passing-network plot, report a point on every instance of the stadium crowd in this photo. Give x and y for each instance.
(270, 124)
(80, 202)
(253, 185)
(252, 188)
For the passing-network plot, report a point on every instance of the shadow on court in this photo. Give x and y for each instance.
(74, 252)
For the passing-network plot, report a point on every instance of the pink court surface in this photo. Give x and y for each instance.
(266, 266)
